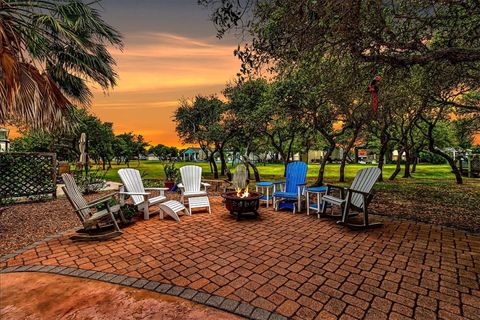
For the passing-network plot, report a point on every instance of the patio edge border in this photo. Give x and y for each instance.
(238, 308)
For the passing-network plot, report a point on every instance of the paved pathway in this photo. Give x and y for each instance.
(294, 265)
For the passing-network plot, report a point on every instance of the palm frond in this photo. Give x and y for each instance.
(50, 50)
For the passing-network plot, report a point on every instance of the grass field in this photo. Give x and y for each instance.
(431, 196)
(154, 169)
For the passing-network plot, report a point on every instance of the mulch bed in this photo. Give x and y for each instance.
(429, 205)
(25, 223)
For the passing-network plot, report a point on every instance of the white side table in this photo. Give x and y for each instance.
(266, 189)
(315, 191)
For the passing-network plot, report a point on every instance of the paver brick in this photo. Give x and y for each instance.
(244, 309)
(229, 305)
(296, 265)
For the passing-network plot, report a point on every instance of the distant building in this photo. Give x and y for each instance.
(152, 157)
(193, 154)
(4, 142)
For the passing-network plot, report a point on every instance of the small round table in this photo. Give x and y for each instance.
(318, 191)
(264, 188)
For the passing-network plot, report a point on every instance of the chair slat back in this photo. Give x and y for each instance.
(191, 178)
(364, 181)
(132, 181)
(75, 197)
(240, 177)
(296, 174)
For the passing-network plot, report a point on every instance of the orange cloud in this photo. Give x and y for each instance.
(155, 71)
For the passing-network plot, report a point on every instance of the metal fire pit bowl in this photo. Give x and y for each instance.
(242, 206)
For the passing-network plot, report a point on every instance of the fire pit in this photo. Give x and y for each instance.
(241, 202)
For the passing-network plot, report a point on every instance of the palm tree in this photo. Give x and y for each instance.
(49, 51)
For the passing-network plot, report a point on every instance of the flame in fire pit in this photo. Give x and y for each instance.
(242, 193)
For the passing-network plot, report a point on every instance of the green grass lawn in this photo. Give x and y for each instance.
(154, 169)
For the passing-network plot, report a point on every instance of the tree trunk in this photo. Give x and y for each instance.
(406, 173)
(450, 160)
(213, 165)
(398, 168)
(381, 160)
(103, 163)
(248, 163)
(384, 139)
(255, 171)
(321, 171)
(345, 155)
(414, 162)
(223, 165)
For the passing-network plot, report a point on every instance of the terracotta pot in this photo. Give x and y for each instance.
(169, 184)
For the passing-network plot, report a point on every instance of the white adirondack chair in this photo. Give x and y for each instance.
(91, 218)
(356, 197)
(192, 185)
(133, 187)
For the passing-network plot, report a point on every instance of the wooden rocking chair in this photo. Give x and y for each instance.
(92, 220)
(357, 197)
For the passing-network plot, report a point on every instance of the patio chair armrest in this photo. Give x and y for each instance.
(278, 182)
(102, 199)
(134, 193)
(205, 184)
(94, 204)
(333, 186)
(358, 191)
(180, 185)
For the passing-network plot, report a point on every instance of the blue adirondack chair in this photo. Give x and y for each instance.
(289, 194)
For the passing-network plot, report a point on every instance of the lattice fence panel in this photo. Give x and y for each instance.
(27, 174)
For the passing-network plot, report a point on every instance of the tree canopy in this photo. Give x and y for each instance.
(49, 52)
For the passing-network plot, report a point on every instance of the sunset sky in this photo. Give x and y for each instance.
(171, 52)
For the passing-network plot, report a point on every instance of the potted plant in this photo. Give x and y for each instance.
(171, 174)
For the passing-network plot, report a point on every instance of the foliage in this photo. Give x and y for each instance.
(323, 55)
(203, 122)
(100, 138)
(90, 182)
(171, 171)
(400, 33)
(58, 142)
(49, 51)
(126, 146)
(164, 152)
(129, 210)
(425, 156)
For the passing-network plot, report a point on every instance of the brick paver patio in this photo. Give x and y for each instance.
(294, 265)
